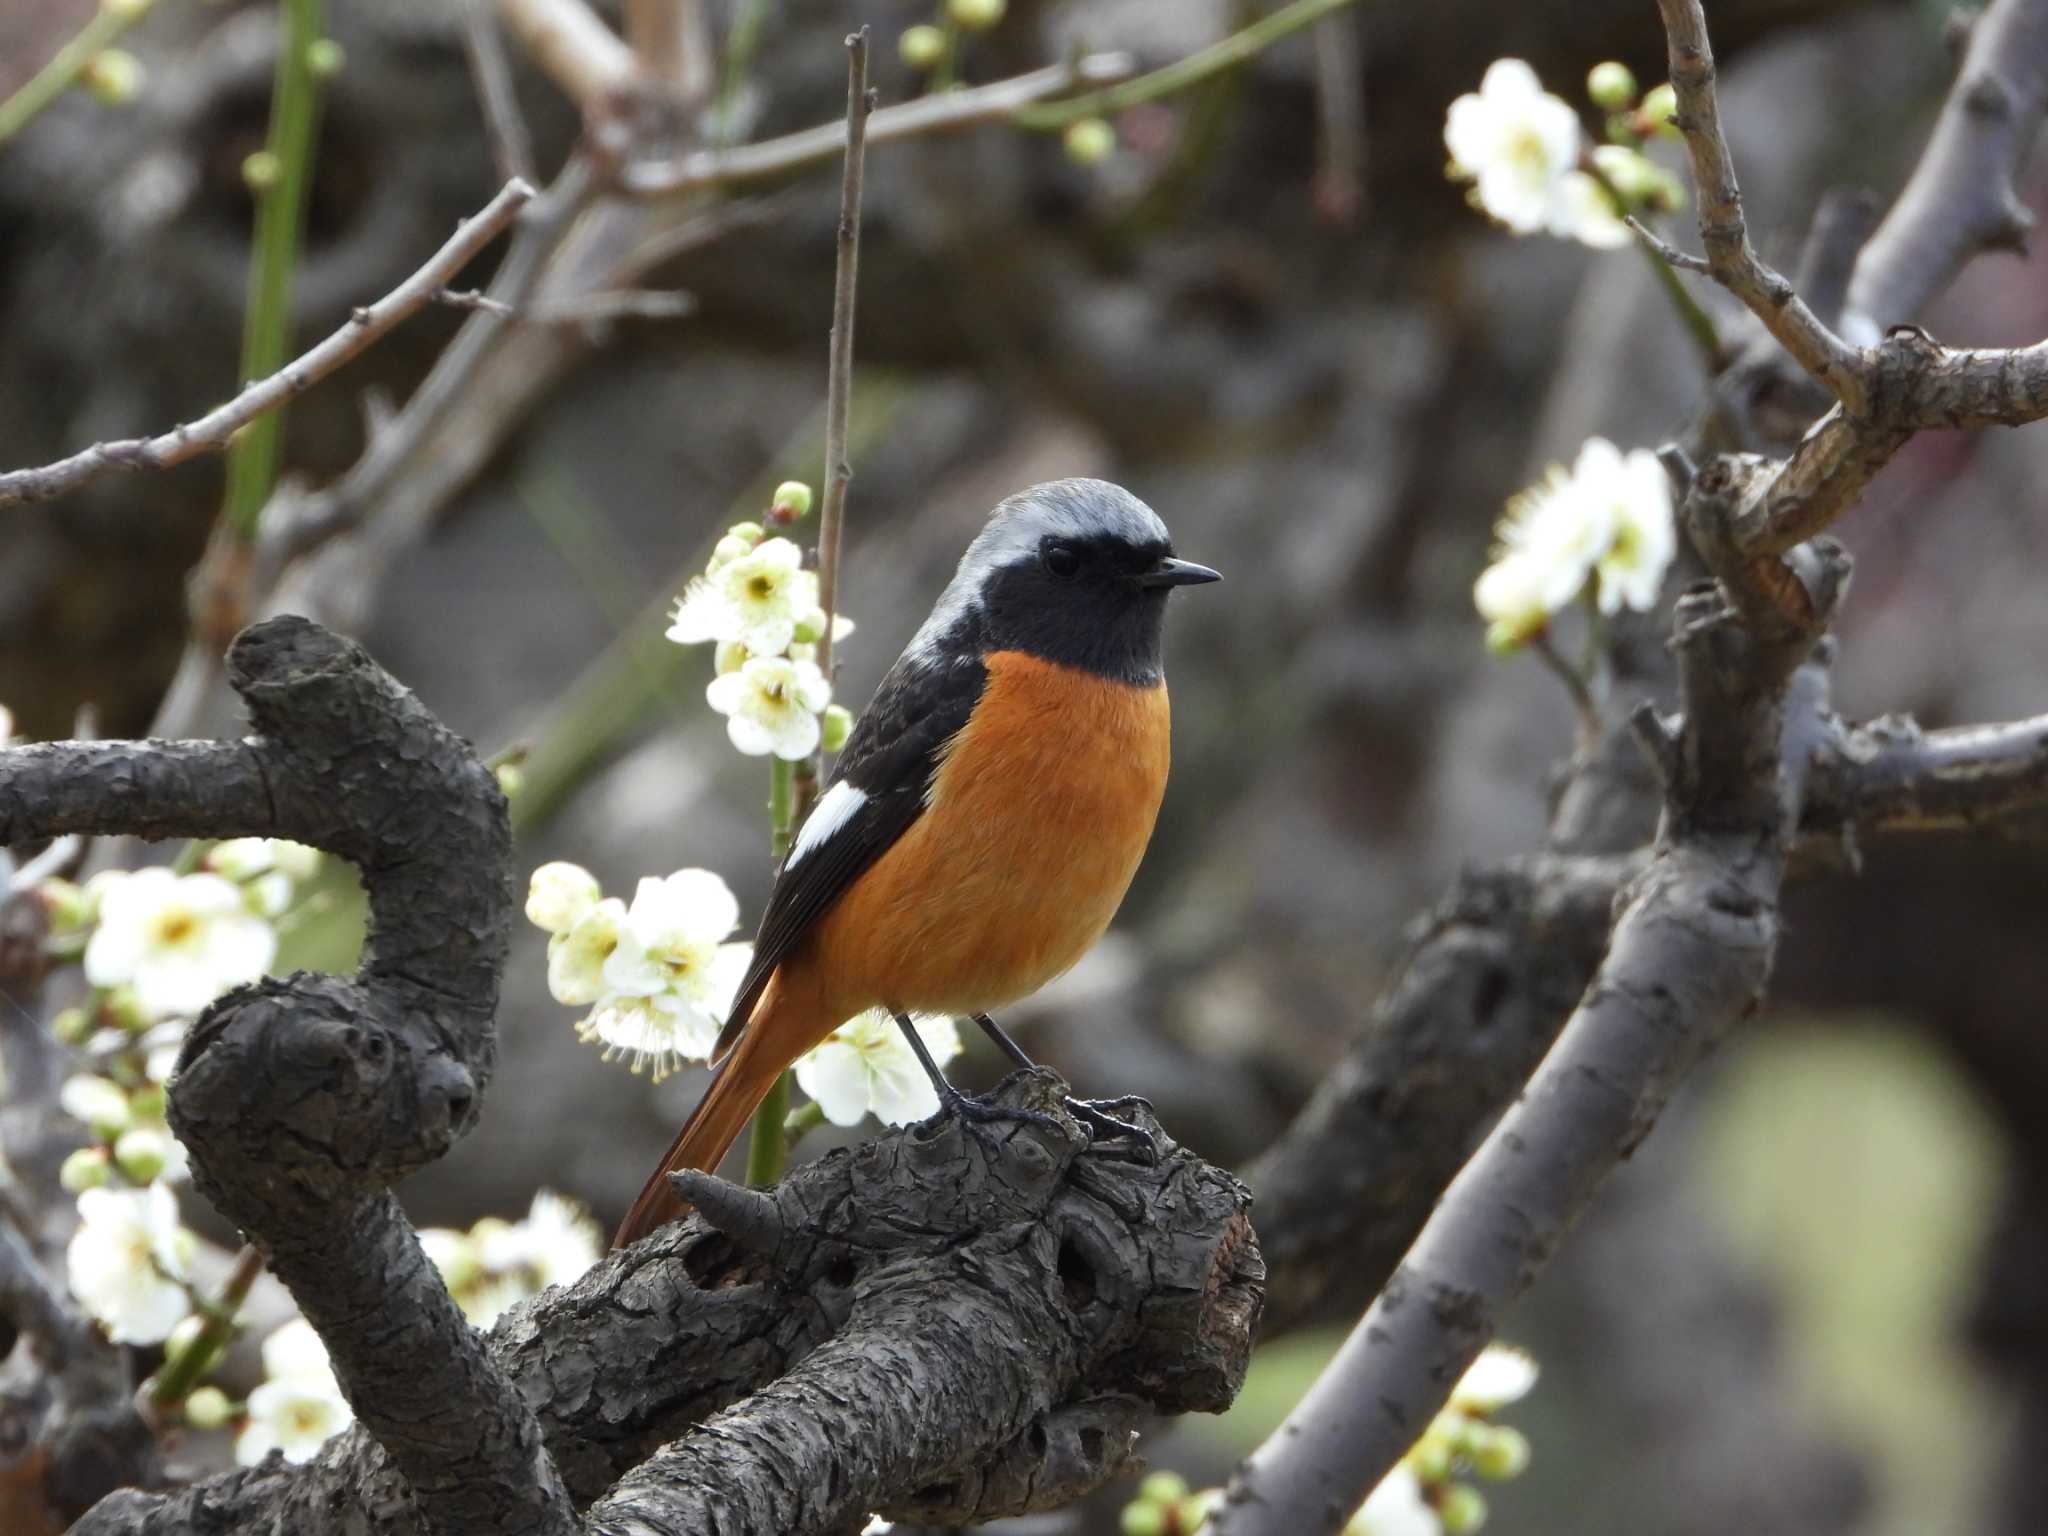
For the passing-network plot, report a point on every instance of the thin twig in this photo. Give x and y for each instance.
(1223, 54)
(1962, 196)
(619, 304)
(210, 433)
(1001, 101)
(54, 78)
(1340, 119)
(504, 124)
(1734, 264)
(839, 371)
(576, 50)
(1671, 255)
(474, 298)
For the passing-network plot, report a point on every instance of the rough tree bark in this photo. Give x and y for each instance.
(939, 1322)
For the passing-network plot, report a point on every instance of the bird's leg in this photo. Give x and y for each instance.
(974, 1112)
(1093, 1113)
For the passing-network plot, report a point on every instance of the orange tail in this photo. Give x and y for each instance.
(775, 1036)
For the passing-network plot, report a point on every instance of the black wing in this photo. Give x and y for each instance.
(889, 761)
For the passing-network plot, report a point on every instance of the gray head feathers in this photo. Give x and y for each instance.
(1071, 509)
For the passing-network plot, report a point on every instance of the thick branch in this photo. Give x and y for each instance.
(302, 1100)
(1689, 957)
(857, 1303)
(210, 433)
(946, 112)
(1730, 257)
(1963, 195)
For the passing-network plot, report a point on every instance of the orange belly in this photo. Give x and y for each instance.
(1038, 818)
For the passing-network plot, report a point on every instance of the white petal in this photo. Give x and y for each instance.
(728, 692)
(113, 951)
(750, 736)
(1508, 80)
(836, 1078)
(1501, 1375)
(559, 894)
(1396, 1508)
(797, 737)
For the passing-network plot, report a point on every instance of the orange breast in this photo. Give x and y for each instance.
(1039, 816)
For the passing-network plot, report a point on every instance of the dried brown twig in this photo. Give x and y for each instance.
(210, 433)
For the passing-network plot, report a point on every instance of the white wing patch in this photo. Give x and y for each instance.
(831, 813)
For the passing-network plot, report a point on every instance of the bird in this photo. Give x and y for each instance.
(984, 819)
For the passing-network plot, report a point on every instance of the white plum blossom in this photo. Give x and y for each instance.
(1587, 214)
(559, 894)
(1501, 1375)
(178, 940)
(299, 1407)
(577, 956)
(671, 975)
(1396, 1508)
(1607, 519)
(127, 1262)
(772, 705)
(1515, 143)
(757, 599)
(865, 1065)
(1637, 493)
(6, 725)
(555, 1243)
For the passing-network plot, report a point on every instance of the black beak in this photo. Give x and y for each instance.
(1178, 573)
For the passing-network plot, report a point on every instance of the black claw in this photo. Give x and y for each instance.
(1103, 1126)
(975, 1113)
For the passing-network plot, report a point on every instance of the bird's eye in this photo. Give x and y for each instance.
(1063, 560)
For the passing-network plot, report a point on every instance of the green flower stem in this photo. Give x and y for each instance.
(781, 804)
(768, 1146)
(741, 44)
(58, 76)
(1699, 325)
(801, 1121)
(1182, 73)
(191, 855)
(183, 1369)
(280, 222)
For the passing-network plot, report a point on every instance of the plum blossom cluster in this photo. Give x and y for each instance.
(659, 976)
(156, 947)
(1425, 1494)
(1532, 168)
(1603, 528)
(498, 1263)
(760, 607)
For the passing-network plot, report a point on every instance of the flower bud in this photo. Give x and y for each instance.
(810, 629)
(1611, 85)
(511, 779)
(97, 1102)
(1433, 1454)
(1143, 1518)
(1089, 141)
(921, 47)
(66, 904)
(260, 171)
(753, 533)
(141, 1154)
(729, 657)
(976, 15)
(1657, 110)
(127, 10)
(114, 77)
(792, 501)
(325, 58)
(727, 550)
(208, 1408)
(147, 1102)
(71, 1026)
(835, 727)
(1497, 1451)
(559, 894)
(1463, 1510)
(1163, 1488)
(124, 1010)
(268, 895)
(87, 1168)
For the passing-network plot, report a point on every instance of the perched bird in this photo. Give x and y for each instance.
(986, 817)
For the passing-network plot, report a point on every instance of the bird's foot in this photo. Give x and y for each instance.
(1104, 1126)
(976, 1114)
